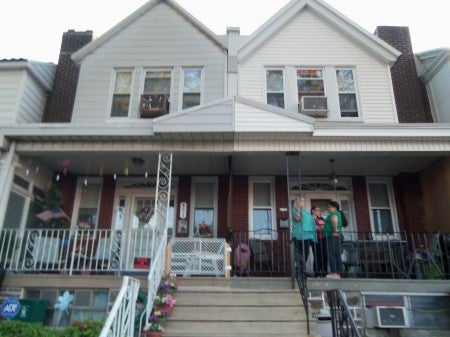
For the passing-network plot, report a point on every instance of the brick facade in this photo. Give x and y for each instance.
(361, 203)
(222, 227)
(59, 105)
(411, 100)
(410, 203)
(107, 203)
(240, 203)
(68, 187)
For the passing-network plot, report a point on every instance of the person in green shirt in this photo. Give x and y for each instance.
(303, 228)
(333, 231)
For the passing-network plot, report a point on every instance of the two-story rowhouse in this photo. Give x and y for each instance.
(310, 103)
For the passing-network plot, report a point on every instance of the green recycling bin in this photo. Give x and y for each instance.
(32, 311)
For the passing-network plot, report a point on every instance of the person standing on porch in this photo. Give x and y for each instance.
(333, 233)
(303, 228)
(320, 249)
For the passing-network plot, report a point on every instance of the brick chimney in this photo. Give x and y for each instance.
(410, 92)
(60, 102)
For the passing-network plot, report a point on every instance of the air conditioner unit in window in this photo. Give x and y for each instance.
(314, 106)
(154, 105)
(390, 317)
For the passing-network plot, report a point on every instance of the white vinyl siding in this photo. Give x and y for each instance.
(160, 38)
(10, 86)
(22, 98)
(307, 41)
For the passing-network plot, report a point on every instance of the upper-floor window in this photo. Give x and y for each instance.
(192, 84)
(156, 96)
(310, 83)
(347, 93)
(275, 87)
(122, 92)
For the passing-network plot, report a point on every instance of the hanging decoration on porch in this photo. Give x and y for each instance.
(100, 172)
(126, 170)
(65, 165)
(333, 179)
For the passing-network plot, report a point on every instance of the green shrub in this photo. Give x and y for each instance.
(87, 328)
(23, 329)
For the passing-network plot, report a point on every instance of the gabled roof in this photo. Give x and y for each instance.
(369, 42)
(233, 115)
(433, 61)
(42, 72)
(90, 47)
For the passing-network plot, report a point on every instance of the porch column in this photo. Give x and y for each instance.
(7, 167)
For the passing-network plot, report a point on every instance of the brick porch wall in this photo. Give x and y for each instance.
(68, 188)
(410, 203)
(222, 228)
(361, 203)
(107, 203)
(240, 203)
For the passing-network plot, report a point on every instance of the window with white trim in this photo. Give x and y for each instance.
(381, 206)
(262, 207)
(347, 93)
(121, 94)
(275, 87)
(156, 94)
(204, 207)
(310, 82)
(192, 84)
(88, 195)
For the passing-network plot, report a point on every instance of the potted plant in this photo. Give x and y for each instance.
(167, 304)
(157, 320)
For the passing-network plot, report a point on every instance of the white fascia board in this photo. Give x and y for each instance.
(64, 129)
(90, 47)
(415, 131)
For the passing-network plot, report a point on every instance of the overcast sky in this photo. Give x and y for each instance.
(32, 29)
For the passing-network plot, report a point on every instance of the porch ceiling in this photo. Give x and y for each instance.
(248, 163)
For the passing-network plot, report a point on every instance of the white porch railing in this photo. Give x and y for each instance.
(101, 250)
(120, 320)
(198, 256)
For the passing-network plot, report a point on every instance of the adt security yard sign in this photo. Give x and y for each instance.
(10, 308)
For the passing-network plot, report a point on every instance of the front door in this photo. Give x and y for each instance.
(321, 199)
(134, 215)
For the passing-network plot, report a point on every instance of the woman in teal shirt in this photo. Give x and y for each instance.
(333, 231)
(303, 228)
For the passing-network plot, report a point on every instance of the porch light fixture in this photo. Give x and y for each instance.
(333, 179)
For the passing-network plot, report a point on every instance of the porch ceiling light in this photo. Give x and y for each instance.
(333, 179)
(138, 161)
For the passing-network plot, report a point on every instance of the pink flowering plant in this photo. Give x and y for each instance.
(168, 300)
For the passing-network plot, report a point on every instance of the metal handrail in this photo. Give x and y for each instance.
(342, 321)
(120, 321)
(301, 277)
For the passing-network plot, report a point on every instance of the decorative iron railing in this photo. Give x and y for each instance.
(301, 277)
(342, 321)
(159, 241)
(120, 321)
(363, 255)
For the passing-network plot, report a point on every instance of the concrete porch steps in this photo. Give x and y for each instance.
(263, 308)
